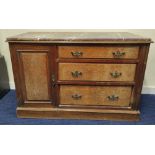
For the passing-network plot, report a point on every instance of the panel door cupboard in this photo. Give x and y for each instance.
(33, 73)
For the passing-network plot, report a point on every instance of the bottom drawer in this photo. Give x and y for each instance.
(95, 95)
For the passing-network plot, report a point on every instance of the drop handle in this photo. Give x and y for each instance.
(76, 74)
(118, 54)
(115, 74)
(113, 98)
(76, 97)
(77, 54)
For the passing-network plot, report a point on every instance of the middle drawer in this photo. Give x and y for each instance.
(96, 72)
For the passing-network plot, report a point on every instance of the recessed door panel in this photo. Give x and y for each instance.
(35, 70)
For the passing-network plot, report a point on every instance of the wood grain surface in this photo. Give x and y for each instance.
(95, 95)
(97, 72)
(35, 73)
(131, 52)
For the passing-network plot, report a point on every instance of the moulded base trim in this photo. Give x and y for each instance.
(89, 114)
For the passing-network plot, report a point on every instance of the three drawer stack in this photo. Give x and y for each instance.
(99, 75)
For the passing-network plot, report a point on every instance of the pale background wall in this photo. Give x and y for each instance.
(149, 81)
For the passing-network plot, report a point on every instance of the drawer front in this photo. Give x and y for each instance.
(95, 95)
(96, 72)
(98, 52)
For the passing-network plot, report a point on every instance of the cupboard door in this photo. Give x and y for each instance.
(36, 70)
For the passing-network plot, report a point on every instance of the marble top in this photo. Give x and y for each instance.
(79, 37)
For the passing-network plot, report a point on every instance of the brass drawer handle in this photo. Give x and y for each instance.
(115, 74)
(76, 74)
(118, 54)
(76, 97)
(77, 54)
(113, 98)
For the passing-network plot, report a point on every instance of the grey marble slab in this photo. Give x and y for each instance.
(103, 37)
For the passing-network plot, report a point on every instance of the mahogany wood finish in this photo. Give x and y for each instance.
(79, 75)
(33, 72)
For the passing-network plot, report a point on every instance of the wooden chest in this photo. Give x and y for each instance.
(79, 75)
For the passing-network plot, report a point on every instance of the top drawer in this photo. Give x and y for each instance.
(121, 52)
